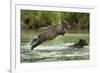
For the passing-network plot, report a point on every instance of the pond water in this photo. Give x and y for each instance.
(48, 53)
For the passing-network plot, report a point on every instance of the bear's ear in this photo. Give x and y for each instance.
(80, 39)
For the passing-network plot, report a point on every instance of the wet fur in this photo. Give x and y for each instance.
(80, 44)
(50, 34)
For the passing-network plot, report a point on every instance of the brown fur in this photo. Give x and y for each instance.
(80, 44)
(50, 34)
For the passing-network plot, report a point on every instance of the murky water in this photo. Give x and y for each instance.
(60, 52)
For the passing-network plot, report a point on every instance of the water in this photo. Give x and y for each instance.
(53, 50)
(48, 53)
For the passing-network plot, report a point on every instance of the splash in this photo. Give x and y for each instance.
(52, 53)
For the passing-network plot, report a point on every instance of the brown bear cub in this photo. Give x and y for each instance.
(80, 44)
